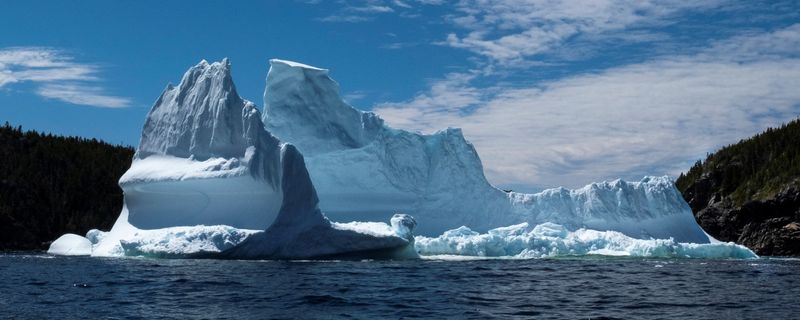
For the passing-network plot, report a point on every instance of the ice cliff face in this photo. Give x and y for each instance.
(324, 122)
(650, 208)
(365, 170)
(209, 181)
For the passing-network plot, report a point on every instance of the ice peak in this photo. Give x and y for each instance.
(217, 69)
(200, 117)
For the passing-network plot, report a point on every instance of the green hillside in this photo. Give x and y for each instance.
(749, 192)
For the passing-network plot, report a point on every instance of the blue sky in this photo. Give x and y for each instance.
(550, 92)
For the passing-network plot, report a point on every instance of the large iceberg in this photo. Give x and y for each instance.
(209, 181)
(366, 170)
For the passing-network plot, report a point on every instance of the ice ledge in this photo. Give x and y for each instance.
(168, 168)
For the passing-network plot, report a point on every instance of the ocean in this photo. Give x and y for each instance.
(40, 286)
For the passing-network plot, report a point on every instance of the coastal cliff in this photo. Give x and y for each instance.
(749, 192)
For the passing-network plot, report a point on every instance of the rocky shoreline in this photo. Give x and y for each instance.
(769, 227)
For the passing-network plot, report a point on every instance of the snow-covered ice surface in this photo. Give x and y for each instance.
(209, 181)
(365, 170)
(549, 240)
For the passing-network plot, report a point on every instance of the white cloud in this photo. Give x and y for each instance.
(653, 118)
(57, 74)
(83, 95)
(510, 31)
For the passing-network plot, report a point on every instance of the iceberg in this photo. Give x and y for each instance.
(365, 170)
(214, 178)
(208, 180)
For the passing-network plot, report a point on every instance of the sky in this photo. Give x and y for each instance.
(551, 93)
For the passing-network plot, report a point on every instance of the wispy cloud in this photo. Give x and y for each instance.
(345, 18)
(400, 45)
(653, 117)
(82, 94)
(372, 9)
(362, 11)
(57, 75)
(508, 32)
(402, 4)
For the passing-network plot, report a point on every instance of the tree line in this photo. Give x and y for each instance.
(51, 185)
(756, 168)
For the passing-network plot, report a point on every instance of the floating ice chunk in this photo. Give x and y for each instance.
(71, 244)
(553, 240)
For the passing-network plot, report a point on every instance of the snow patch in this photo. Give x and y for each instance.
(169, 168)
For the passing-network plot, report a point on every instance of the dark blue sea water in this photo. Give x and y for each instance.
(42, 286)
